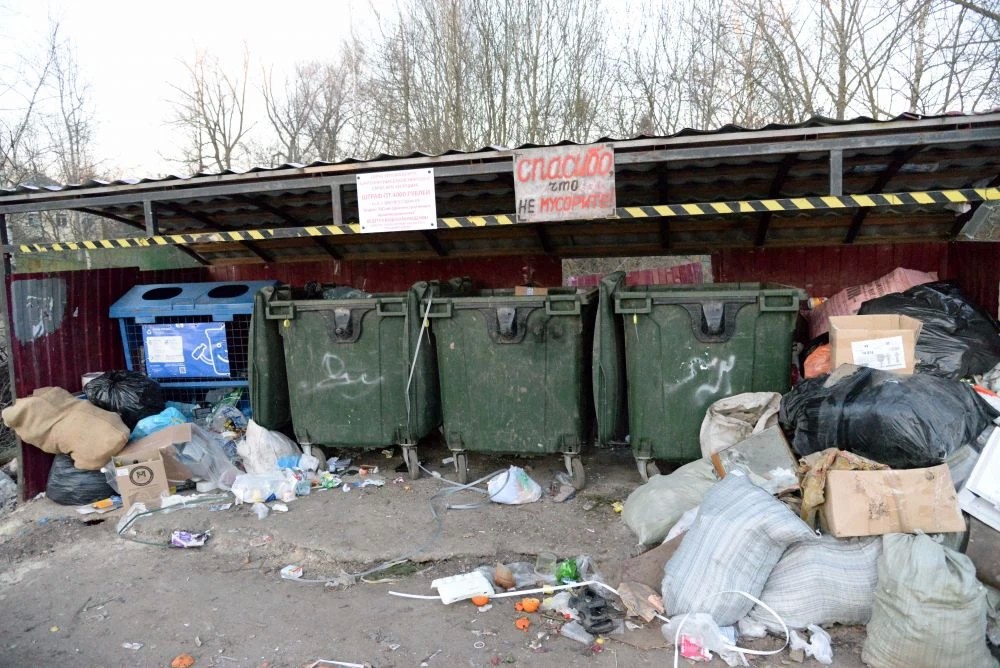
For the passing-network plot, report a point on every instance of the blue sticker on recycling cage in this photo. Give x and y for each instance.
(186, 350)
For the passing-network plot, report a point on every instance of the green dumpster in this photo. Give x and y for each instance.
(515, 373)
(267, 378)
(361, 369)
(688, 346)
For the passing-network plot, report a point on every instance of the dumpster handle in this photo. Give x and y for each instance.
(279, 311)
(645, 304)
(779, 301)
(575, 310)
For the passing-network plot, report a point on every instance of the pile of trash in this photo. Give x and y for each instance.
(126, 447)
(850, 499)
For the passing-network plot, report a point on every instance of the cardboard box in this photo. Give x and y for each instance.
(159, 445)
(883, 342)
(530, 291)
(871, 503)
(145, 482)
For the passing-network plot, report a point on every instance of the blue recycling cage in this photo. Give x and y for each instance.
(188, 335)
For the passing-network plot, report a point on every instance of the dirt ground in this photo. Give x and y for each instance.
(72, 593)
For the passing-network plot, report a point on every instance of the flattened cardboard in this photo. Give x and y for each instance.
(884, 342)
(145, 482)
(160, 445)
(872, 503)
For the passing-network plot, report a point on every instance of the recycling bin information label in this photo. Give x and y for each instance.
(192, 350)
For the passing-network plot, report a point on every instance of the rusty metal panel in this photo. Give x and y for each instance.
(68, 334)
(975, 265)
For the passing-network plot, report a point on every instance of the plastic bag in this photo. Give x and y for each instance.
(131, 394)
(734, 419)
(739, 535)
(902, 421)
(651, 509)
(262, 448)
(958, 339)
(818, 646)
(71, 486)
(264, 487)
(929, 609)
(154, 423)
(205, 457)
(699, 636)
(514, 487)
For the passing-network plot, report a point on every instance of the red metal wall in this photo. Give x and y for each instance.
(385, 276)
(976, 267)
(825, 270)
(85, 340)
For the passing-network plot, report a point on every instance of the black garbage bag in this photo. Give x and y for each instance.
(958, 339)
(902, 421)
(71, 486)
(131, 394)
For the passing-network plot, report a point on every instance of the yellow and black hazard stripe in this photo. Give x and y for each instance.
(883, 200)
(930, 198)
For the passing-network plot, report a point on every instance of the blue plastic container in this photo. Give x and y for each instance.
(188, 335)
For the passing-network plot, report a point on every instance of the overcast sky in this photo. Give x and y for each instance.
(130, 52)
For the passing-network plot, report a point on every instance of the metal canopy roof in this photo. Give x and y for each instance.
(776, 186)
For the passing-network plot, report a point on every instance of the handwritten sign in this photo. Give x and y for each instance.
(397, 201)
(564, 183)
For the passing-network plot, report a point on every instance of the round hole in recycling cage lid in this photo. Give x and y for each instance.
(159, 294)
(228, 291)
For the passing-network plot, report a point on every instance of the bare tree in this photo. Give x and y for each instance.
(211, 109)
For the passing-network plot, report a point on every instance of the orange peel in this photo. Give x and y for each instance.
(522, 623)
(480, 601)
(529, 604)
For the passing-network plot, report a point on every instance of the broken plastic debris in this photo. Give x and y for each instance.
(188, 539)
(216, 507)
(260, 510)
(291, 572)
(818, 646)
(279, 507)
(132, 645)
(462, 586)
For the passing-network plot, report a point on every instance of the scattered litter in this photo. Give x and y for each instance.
(479, 644)
(260, 510)
(182, 661)
(387, 454)
(335, 464)
(522, 623)
(527, 605)
(818, 646)
(640, 600)
(132, 645)
(480, 601)
(328, 662)
(618, 506)
(398, 480)
(427, 661)
(188, 539)
(447, 460)
(102, 506)
(366, 469)
(216, 507)
(574, 631)
(514, 486)
(54, 629)
(279, 507)
(463, 586)
(291, 572)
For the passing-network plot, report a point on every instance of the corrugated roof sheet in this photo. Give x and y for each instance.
(815, 121)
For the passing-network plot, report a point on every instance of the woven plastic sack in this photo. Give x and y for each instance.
(825, 581)
(739, 535)
(131, 394)
(734, 419)
(929, 610)
(653, 508)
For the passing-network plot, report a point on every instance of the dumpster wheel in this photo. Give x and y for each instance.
(647, 469)
(412, 461)
(574, 465)
(462, 467)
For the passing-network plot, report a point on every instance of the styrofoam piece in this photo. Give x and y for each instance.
(463, 586)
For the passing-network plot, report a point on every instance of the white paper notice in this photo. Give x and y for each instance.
(165, 349)
(884, 353)
(397, 201)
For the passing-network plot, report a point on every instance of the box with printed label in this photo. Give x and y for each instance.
(145, 482)
(883, 342)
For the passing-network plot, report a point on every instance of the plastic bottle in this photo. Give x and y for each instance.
(575, 631)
